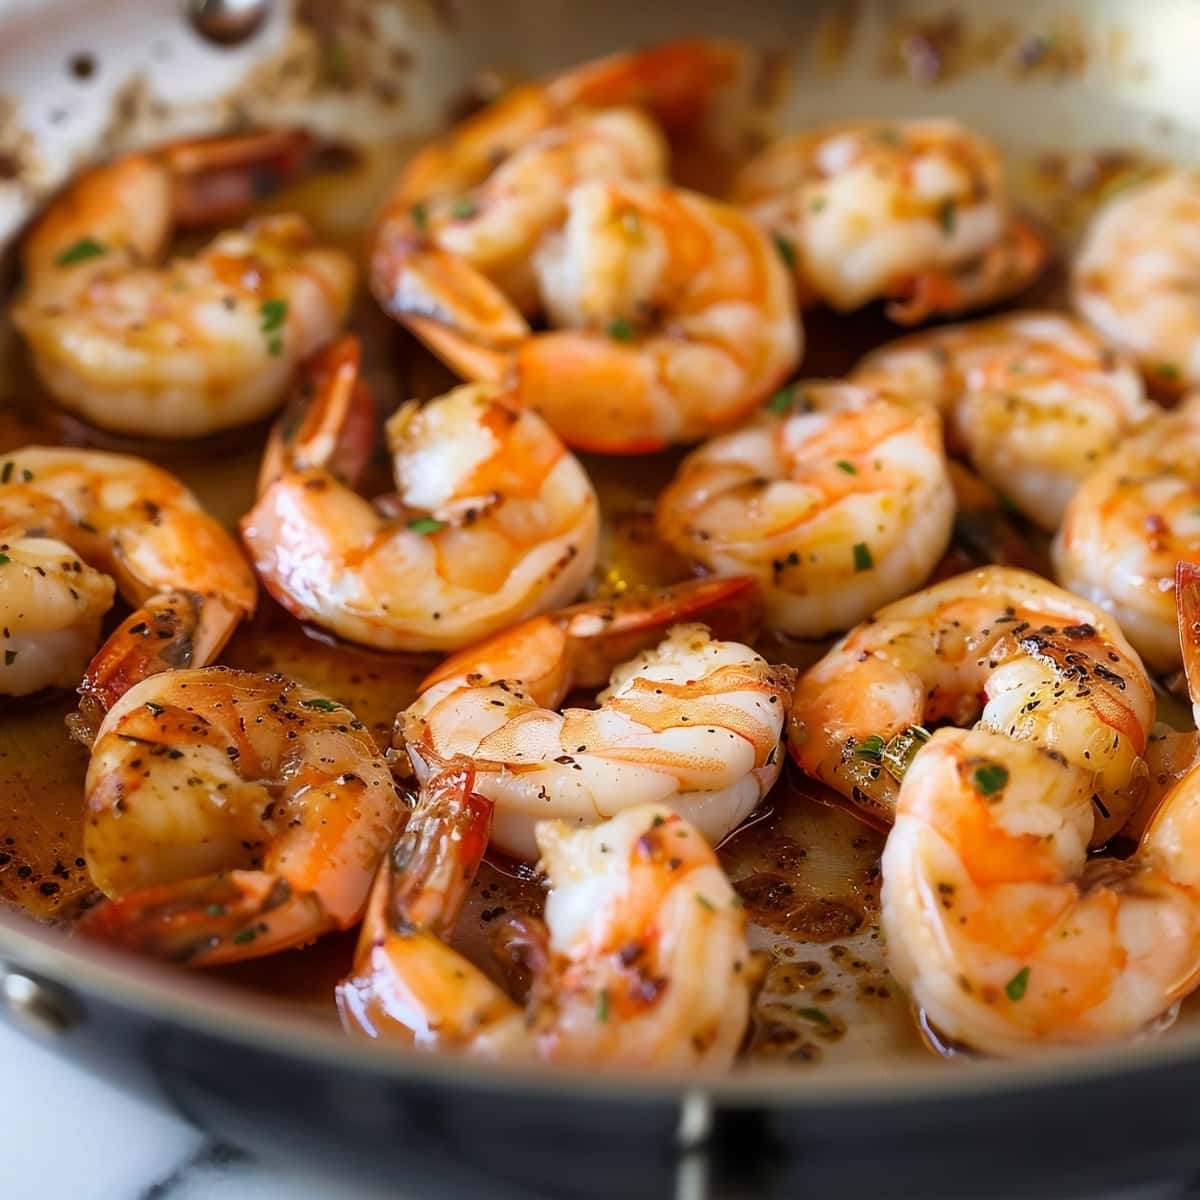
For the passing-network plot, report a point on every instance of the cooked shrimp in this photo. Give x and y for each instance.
(1034, 399)
(1134, 517)
(230, 815)
(1022, 659)
(688, 720)
(671, 316)
(914, 212)
(837, 499)
(196, 345)
(643, 961)
(63, 508)
(493, 521)
(1004, 931)
(1136, 275)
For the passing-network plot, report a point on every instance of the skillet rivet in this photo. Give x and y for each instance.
(33, 1006)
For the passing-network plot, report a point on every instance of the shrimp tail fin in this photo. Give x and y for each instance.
(405, 980)
(328, 421)
(211, 920)
(454, 308)
(1187, 602)
(170, 632)
(215, 180)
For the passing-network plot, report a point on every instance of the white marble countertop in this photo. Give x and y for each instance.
(105, 1145)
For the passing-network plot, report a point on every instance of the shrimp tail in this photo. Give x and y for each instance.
(680, 83)
(170, 632)
(1004, 269)
(453, 307)
(211, 920)
(404, 977)
(1187, 599)
(580, 645)
(328, 421)
(218, 179)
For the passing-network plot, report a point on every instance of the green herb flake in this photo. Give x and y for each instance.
(464, 209)
(781, 402)
(817, 204)
(620, 330)
(848, 467)
(1014, 989)
(337, 62)
(816, 1015)
(26, 475)
(1167, 371)
(948, 217)
(321, 705)
(705, 903)
(4, 560)
(870, 748)
(244, 936)
(273, 314)
(990, 778)
(275, 346)
(862, 557)
(786, 248)
(602, 1005)
(6, 474)
(80, 251)
(426, 525)
(420, 216)
(215, 910)
(10, 657)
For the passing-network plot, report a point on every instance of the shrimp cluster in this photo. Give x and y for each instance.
(196, 345)
(835, 497)
(911, 212)
(686, 719)
(642, 960)
(1033, 400)
(492, 520)
(671, 315)
(609, 729)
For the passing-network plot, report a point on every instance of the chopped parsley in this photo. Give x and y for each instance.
(10, 657)
(786, 248)
(6, 474)
(870, 748)
(464, 209)
(1168, 371)
(4, 560)
(781, 402)
(420, 216)
(862, 557)
(273, 313)
(705, 902)
(620, 330)
(243, 936)
(81, 251)
(948, 217)
(602, 1005)
(848, 467)
(426, 525)
(990, 778)
(321, 705)
(1014, 989)
(816, 1015)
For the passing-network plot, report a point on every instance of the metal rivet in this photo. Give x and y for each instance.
(34, 1005)
(227, 21)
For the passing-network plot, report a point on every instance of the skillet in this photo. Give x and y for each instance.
(1045, 79)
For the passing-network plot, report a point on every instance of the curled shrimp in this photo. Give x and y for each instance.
(1005, 932)
(1132, 519)
(912, 212)
(671, 317)
(837, 500)
(69, 520)
(493, 519)
(1001, 648)
(196, 345)
(1136, 274)
(686, 720)
(642, 961)
(230, 815)
(1033, 399)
